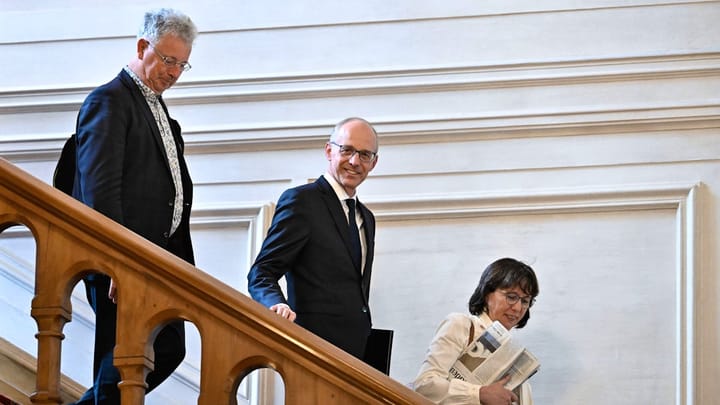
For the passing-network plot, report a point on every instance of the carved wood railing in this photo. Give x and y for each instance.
(237, 334)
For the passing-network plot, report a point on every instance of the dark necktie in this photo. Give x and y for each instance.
(354, 234)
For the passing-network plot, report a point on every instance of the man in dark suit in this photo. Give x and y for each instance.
(130, 167)
(310, 242)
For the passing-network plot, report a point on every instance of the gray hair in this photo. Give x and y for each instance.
(164, 21)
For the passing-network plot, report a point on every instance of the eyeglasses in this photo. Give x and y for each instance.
(348, 151)
(171, 62)
(512, 299)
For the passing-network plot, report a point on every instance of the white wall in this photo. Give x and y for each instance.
(581, 137)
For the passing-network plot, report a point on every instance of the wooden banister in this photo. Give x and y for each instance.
(154, 287)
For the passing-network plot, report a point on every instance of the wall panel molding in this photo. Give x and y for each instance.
(290, 136)
(685, 199)
(419, 123)
(520, 202)
(256, 217)
(383, 82)
(71, 22)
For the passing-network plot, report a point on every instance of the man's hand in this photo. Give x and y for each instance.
(284, 311)
(112, 292)
(497, 394)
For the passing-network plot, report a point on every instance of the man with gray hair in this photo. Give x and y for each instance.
(130, 167)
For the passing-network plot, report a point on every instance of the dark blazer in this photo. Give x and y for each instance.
(122, 169)
(308, 244)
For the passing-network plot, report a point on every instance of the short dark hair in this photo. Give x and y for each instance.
(504, 273)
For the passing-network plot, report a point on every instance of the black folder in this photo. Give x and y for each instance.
(379, 349)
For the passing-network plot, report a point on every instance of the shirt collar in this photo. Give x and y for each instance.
(337, 188)
(146, 91)
(485, 318)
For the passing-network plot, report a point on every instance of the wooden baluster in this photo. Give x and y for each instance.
(50, 325)
(130, 355)
(215, 372)
(133, 371)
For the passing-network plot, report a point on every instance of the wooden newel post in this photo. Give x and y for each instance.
(50, 323)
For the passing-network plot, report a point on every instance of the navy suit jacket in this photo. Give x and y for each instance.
(308, 244)
(122, 168)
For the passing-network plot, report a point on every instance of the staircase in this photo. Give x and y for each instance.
(18, 372)
(237, 334)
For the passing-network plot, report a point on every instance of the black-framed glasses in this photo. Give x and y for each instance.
(512, 299)
(170, 61)
(348, 151)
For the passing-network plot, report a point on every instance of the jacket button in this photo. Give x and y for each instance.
(365, 310)
(166, 235)
(171, 203)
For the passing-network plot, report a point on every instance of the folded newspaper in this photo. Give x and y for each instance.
(493, 356)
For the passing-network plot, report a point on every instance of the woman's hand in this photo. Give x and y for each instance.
(497, 394)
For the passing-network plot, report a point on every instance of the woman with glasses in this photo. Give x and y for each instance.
(505, 293)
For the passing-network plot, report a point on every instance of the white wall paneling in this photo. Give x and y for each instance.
(287, 113)
(434, 249)
(463, 39)
(224, 230)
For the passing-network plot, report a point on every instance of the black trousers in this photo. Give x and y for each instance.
(169, 347)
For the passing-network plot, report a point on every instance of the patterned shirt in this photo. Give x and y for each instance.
(161, 118)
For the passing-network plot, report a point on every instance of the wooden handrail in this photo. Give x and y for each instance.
(237, 334)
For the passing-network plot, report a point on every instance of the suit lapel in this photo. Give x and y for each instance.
(338, 214)
(140, 101)
(369, 227)
(336, 211)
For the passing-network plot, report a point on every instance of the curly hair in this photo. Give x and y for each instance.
(158, 23)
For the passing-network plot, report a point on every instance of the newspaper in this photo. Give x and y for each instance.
(493, 356)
